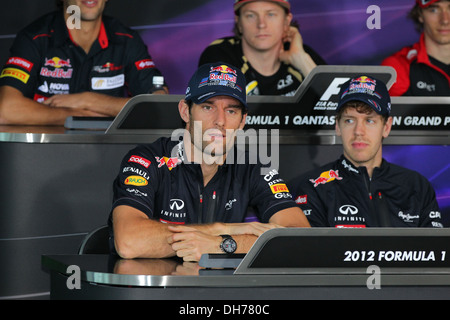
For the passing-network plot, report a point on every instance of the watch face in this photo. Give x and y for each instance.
(229, 245)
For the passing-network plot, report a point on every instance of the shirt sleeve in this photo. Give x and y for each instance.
(137, 182)
(402, 68)
(314, 55)
(141, 68)
(221, 50)
(22, 67)
(431, 215)
(268, 193)
(307, 198)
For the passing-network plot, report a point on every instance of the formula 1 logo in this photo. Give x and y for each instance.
(328, 100)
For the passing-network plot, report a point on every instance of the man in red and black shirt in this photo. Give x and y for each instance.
(424, 68)
(58, 68)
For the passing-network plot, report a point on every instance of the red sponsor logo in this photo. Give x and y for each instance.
(223, 69)
(170, 222)
(302, 199)
(57, 62)
(39, 98)
(107, 67)
(365, 80)
(169, 162)
(142, 161)
(20, 62)
(144, 64)
(350, 226)
(225, 77)
(326, 177)
(57, 73)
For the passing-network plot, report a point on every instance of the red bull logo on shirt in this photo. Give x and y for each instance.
(59, 68)
(57, 62)
(326, 177)
(169, 162)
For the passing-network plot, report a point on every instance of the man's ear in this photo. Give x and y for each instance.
(289, 18)
(420, 17)
(242, 124)
(237, 24)
(387, 127)
(337, 129)
(183, 109)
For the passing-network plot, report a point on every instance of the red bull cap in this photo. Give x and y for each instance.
(425, 3)
(284, 3)
(217, 79)
(369, 90)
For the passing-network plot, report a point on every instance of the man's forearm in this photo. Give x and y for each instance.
(104, 104)
(136, 236)
(16, 109)
(244, 242)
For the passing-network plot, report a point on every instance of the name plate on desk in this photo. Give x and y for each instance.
(296, 250)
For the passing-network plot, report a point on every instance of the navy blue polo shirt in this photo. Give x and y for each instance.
(156, 180)
(341, 195)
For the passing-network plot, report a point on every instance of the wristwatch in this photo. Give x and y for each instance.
(228, 244)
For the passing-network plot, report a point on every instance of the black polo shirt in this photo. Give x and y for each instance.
(44, 61)
(341, 195)
(155, 179)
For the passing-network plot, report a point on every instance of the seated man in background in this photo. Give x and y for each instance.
(59, 69)
(266, 47)
(424, 68)
(361, 189)
(190, 196)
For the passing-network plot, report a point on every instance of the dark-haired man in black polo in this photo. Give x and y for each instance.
(74, 62)
(190, 197)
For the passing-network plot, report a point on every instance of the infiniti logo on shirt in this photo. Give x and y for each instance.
(346, 209)
(176, 204)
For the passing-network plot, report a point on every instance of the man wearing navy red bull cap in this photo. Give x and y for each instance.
(57, 69)
(361, 189)
(170, 201)
(267, 47)
(424, 68)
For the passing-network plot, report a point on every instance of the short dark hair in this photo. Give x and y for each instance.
(360, 107)
(414, 14)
